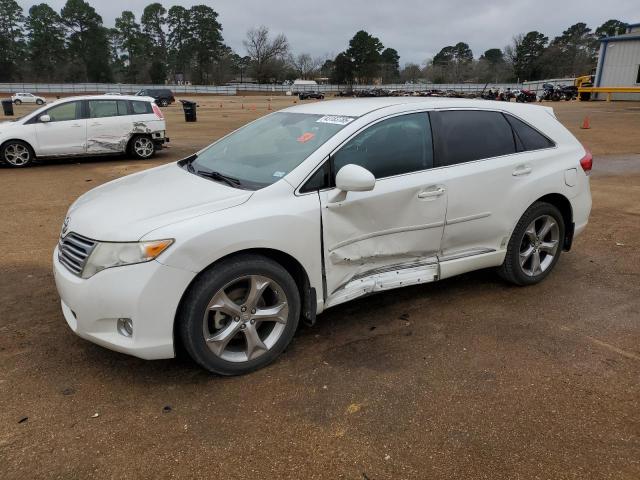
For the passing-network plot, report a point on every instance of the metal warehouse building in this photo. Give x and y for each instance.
(619, 62)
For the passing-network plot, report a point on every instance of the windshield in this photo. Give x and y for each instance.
(268, 149)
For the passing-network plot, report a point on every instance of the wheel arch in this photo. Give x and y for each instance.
(290, 264)
(563, 204)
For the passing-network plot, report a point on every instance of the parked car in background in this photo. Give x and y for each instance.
(82, 126)
(19, 98)
(308, 95)
(381, 193)
(162, 96)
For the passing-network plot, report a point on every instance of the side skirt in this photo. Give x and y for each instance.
(394, 276)
(402, 275)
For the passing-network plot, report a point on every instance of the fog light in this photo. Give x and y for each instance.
(125, 327)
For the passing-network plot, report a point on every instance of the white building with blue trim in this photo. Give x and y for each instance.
(619, 62)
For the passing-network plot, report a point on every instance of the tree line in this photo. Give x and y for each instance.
(186, 44)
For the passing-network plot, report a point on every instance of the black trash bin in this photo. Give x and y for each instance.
(189, 110)
(7, 107)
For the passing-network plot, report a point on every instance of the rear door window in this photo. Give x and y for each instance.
(394, 146)
(529, 138)
(103, 108)
(466, 135)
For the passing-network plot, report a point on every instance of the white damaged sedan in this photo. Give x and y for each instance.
(310, 207)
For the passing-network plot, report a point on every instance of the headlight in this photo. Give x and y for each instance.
(109, 254)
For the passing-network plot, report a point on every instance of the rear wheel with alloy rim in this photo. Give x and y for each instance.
(240, 315)
(16, 154)
(535, 245)
(142, 147)
(18, 102)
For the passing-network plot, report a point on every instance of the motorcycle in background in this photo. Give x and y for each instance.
(551, 92)
(525, 96)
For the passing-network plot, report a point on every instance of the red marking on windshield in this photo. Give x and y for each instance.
(305, 137)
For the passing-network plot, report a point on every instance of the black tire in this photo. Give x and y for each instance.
(191, 314)
(163, 102)
(511, 269)
(135, 149)
(39, 102)
(18, 102)
(24, 155)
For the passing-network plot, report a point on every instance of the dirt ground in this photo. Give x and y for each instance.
(466, 378)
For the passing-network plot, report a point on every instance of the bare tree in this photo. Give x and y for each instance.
(264, 52)
(306, 66)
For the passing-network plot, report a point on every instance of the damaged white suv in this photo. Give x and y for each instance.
(310, 207)
(83, 126)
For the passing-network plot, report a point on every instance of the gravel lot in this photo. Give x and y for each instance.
(466, 378)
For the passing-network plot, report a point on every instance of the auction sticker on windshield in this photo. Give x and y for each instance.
(335, 119)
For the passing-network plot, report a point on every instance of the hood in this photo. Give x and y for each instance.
(128, 208)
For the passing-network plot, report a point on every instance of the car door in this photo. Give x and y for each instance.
(486, 175)
(65, 133)
(389, 236)
(109, 126)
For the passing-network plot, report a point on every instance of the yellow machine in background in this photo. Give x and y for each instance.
(586, 88)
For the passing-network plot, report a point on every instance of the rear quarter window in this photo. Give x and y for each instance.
(140, 108)
(466, 135)
(528, 137)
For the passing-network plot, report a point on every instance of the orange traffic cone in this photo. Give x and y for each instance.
(585, 123)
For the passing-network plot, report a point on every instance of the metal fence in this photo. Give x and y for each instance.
(83, 88)
(405, 87)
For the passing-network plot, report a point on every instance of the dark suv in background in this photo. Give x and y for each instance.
(162, 96)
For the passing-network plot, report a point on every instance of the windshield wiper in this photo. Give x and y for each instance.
(188, 162)
(232, 182)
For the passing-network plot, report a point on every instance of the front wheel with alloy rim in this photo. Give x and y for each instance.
(535, 245)
(16, 154)
(142, 147)
(240, 315)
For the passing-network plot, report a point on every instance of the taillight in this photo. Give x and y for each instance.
(586, 162)
(157, 111)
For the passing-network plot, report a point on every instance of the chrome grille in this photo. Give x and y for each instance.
(73, 251)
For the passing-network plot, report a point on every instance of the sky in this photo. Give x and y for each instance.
(417, 29)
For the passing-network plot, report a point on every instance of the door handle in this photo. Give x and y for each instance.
(436, 192)
(522, 170)
(76, 125)
(96, 124)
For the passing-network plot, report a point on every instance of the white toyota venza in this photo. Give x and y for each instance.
(229, 249)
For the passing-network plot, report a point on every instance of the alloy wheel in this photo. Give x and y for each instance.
(245, 318)
(539, 245)
(17, 155)
(143, 147)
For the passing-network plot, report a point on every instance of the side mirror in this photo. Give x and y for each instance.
(354, 178)
(45, 118)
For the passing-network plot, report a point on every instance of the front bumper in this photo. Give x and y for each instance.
(148, 293)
